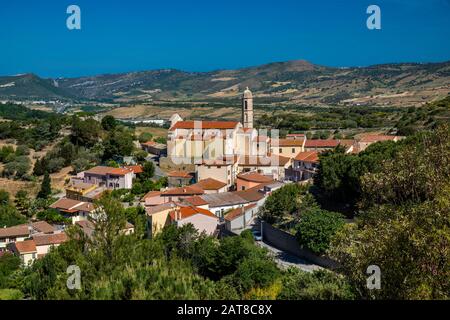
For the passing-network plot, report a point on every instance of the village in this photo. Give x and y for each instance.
(219, 175)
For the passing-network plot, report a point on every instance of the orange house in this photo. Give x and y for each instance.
(252, 179)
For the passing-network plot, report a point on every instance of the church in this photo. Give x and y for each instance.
(223, 149)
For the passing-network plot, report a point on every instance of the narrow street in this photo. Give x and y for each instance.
(286, 260)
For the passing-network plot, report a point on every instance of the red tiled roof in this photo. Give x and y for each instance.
(233, 214)
(308, 156)
(251, 195)
(43, 226)
(160, 208)
(254, 177)
(26, 246)
(48, 239)
(15, 231)
(135, 169)
(376, 138)
(102, 170)
(204, 125)
(347, 142)
(179, 174)
(70, 205)
(196, 201)
(118, 171)
(327, 143)
(148, 143)
(288, 142)
(187, 212)
(152, 194)
(210, 184)
(183, 191)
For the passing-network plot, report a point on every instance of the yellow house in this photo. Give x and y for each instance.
(287, 147)
(158, 217)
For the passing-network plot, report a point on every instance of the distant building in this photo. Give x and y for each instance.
(248, 180)
(369, 139)
(287, 147)
(321, 145)
(179, 178)
(203, 220)
(158, 217)
(155, 148)
(240, 218)
(111, 178)
(86, 192)
(37, 247)
(74, 209)
(22, 232)
(270, 165)
(305, 165)
(210, 185)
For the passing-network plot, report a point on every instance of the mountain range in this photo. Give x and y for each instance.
(292, 82)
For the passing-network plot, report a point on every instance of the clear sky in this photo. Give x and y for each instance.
(202, 35)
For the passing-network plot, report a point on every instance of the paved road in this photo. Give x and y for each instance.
(286, 260)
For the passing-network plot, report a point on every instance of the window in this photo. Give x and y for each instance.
(280, 150)
(293, 150)
(245, 105)
(243, 188)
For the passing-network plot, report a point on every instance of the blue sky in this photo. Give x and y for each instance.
(200, 35)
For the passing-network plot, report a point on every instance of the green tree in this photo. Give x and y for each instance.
(109, 123)
(148, 171)
(46, 187)
(317, 228)
(404, 228)
(317, 285)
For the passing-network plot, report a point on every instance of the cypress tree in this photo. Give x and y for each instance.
(46, 187)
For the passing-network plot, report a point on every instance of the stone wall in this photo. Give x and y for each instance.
(287, 242)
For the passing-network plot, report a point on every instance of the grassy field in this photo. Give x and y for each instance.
(156, 132)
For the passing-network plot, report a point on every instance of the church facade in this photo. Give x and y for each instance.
(222, 149)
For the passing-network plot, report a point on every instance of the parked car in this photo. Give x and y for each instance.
(257, 235)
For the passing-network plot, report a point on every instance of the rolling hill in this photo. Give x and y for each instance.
(294, 82)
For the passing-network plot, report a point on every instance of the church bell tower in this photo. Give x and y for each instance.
(247, 109)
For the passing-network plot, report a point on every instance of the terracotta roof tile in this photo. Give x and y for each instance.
(48, 239)
(254, 177)
(308, 156)
(187, 212)
(377, 138)
(288, 142)
(15, 231)
(204, 125)
(196, 201)
(27, 246)
(327, 143)
(151, 194)
(135, 169)
(233, 214)
(210, 184)
(43, 226)
(183, 191)
(179, 174)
